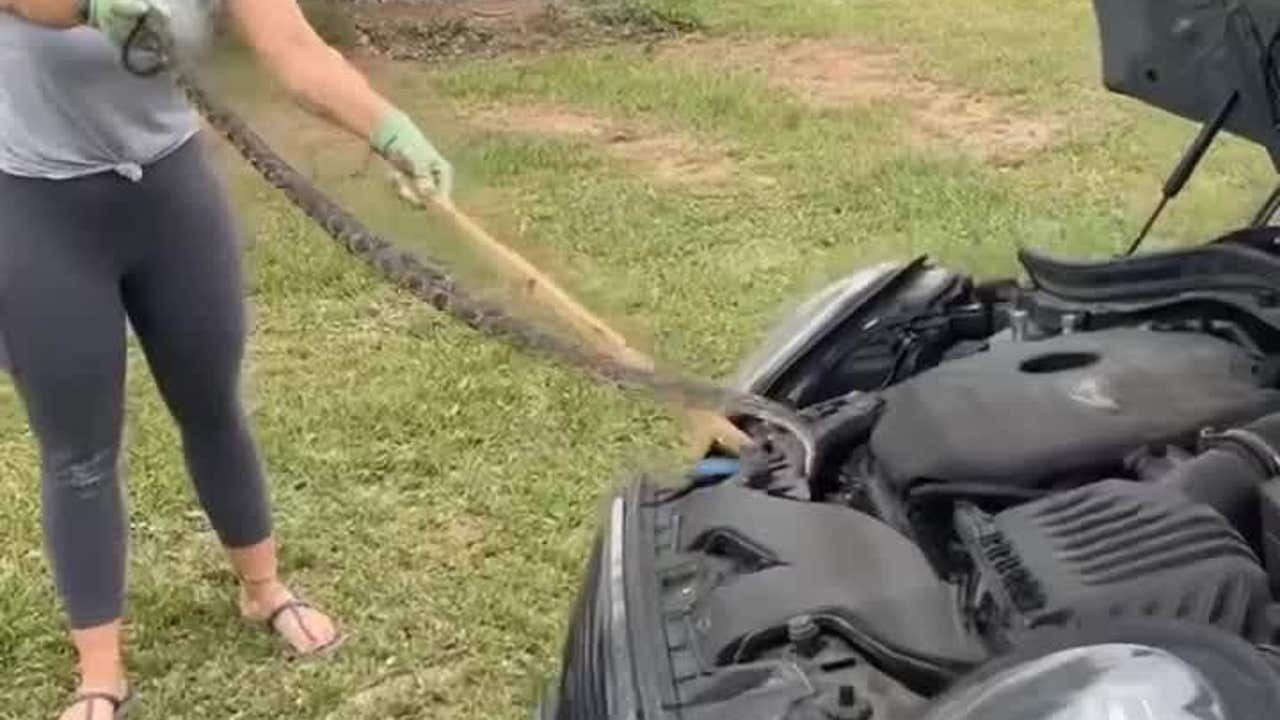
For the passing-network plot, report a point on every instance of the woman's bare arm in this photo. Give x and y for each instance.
(325, 83)
(316, 74)
(54, 13)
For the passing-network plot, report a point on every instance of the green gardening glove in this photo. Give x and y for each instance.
(117, 18)
(402, 143)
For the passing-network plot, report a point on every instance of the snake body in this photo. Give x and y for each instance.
(431, 282)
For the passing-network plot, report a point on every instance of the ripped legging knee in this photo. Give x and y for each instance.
(80, 260)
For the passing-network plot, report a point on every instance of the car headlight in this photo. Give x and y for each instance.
(622, 699)
(1098, 682)
(805, 324)
(1130, 669)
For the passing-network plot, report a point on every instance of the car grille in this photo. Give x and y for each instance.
(584, 683)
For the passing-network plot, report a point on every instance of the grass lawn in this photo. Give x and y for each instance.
(438, 490)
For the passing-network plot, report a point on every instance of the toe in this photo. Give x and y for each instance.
(87, 709)
(307, 629)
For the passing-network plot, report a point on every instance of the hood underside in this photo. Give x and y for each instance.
(1189, 57)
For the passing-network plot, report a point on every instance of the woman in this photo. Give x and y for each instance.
(110, 213)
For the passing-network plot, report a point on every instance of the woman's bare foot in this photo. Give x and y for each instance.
(306, 629)
(264, 598)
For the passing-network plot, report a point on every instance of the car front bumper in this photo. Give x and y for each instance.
(613, 628)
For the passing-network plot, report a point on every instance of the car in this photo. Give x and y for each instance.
(1047, 497)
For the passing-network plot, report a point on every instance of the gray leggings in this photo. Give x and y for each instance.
(77, 259)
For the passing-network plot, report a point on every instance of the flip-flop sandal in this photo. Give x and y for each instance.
(117, 704)
(295, 607)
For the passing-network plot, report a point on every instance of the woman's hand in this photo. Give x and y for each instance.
(402, 143)
(118, 18)
(325, 83)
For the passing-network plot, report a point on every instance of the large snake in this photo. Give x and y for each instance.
(430, 281)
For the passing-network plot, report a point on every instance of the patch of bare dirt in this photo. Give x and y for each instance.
(483, 11)
(830, 74)
(543, 119)
(822, 73)
(982, 126)
(441, 29)
(669, 157)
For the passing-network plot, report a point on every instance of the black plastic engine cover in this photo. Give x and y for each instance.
(745, 562)
(1025, 413)
(1110, 550)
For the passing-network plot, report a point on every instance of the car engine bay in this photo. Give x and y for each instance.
(974, 465)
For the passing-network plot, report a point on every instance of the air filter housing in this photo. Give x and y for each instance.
(1110, 550)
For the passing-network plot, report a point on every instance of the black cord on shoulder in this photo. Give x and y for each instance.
(141, 41)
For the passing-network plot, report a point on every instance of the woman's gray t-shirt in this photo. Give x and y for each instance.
(68, 108)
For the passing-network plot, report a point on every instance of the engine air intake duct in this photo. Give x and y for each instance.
(1110, 550)
(1230, 472)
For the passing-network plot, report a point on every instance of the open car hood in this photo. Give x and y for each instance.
(1188, 56)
